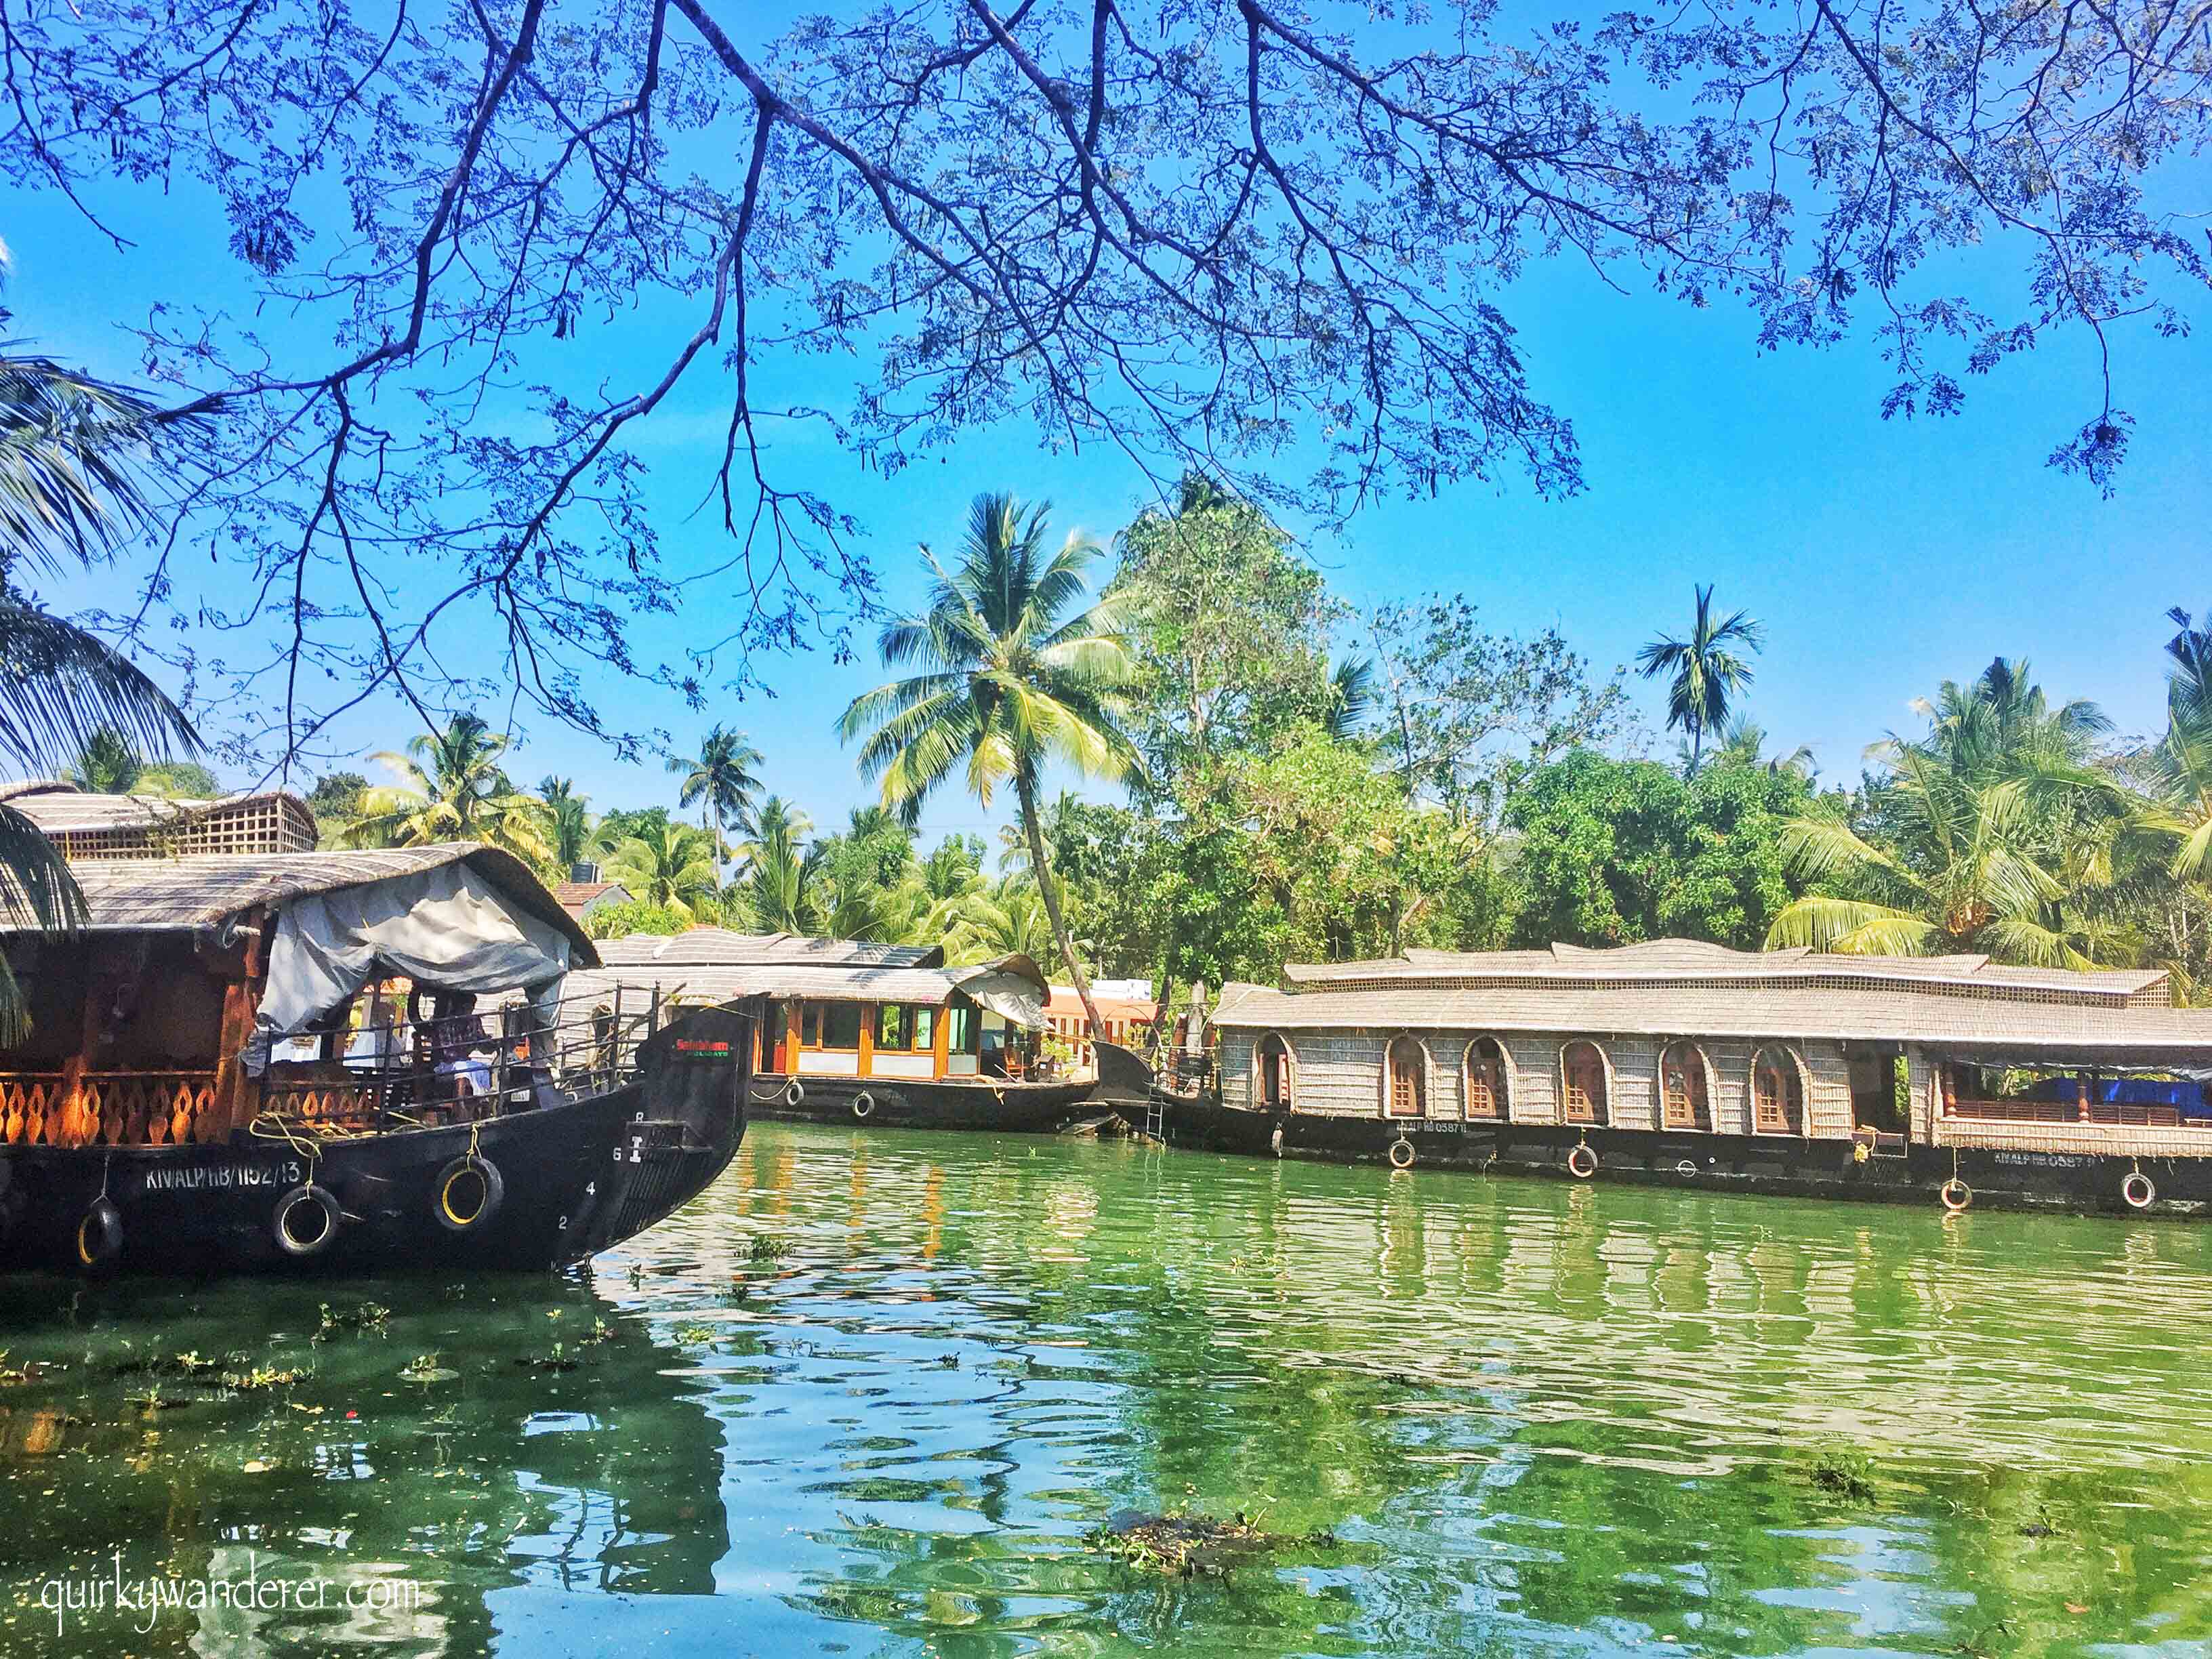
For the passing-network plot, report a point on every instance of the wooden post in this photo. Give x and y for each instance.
(2081, 1095)
(1950, 1072)
(614, 1043)
(864, 1065)
(938, 1047)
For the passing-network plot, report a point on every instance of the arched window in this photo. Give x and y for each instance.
(1778, 1093)
(1486, 1085)
(1581, 1068)
(1684, 1099)
(1271, 1064)
(1406, 1078)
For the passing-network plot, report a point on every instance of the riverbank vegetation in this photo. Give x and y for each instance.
(1293, 778)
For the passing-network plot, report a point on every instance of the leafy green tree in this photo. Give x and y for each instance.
(721, 779)
(1612, 852)
(1230, 627)
(1704, 671)
(671, 869)
(619, 920)
(186, 780)
(336, 796)
(1009, 683)
(1468, 714)
(449, 786)
(618, 823)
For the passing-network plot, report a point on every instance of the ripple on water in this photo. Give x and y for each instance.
(871, 1393)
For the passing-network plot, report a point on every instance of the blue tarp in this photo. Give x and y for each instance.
(2131, 1092)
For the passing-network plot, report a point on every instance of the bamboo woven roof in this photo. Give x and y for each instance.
(1692, 962)
(719, 947)
(180, 895)
(816, 983)
(62, 809)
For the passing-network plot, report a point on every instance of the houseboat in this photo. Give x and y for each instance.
(854, 1032)
(257, 1062)
(1950, 1080)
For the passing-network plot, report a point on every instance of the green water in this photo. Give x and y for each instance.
(870, 1395)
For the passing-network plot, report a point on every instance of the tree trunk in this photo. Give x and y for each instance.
(1026, 788)
(714, 845)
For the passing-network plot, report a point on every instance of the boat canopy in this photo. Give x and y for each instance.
(447, 927)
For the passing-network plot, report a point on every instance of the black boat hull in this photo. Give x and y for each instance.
(1207, 1125)
(909, 1103)
(576, 1177)
(2181, 1188)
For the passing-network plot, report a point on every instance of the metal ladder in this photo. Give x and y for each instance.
(1156, 1116)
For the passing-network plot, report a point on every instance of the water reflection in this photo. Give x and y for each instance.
(870, 1393)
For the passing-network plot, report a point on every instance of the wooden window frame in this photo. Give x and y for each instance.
(1790, 1064)
(1290, 1071)
(1420, 1090)
(1501, 1094)
(822, 1027)
(1600, 1114)
(1692, 1099)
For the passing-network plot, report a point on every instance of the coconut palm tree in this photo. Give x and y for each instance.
(1006, 918)
(74, 456)
(1009, 683)
(721, 779)
(1351, 696)
(673, 866)
(775, 868)
(1743, 743)
(1973, 868)
(449, 787)
(1707, 670)
(106, 765)
(2181, 808)
(569, 830)
(2000, 724)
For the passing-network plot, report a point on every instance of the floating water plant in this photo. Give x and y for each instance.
(1844, 1471)
(425, 1367)
(766, 1246)
(1183, 1544)
(364, 1316)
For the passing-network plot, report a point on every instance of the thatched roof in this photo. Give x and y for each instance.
(1675, 961)
(812, 982)
(1961, 1004)
(180, 895)
(719, 947)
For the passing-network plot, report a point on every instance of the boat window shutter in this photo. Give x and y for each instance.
(1682, 1080)
(1777, 1094)
(1585, 1069)
(1408, 1085)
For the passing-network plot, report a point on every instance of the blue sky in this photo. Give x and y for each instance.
(1882, 557)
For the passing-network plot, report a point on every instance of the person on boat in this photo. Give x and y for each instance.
(456, 1034)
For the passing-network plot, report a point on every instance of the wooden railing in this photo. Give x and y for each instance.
(2126, 1114)
(107, 1109)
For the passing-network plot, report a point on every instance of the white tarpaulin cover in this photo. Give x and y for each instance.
(1018, 1001)
(446, 928)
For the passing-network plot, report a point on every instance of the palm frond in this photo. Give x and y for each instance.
(66, 686)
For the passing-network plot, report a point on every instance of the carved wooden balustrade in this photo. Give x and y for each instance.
(109, 1108)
